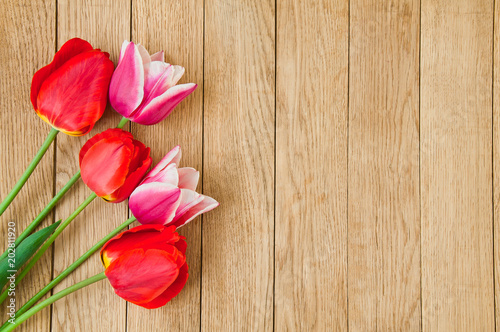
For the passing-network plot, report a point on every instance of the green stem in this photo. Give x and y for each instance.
(123, 121)
(73, 266)
(44, 212)
(13, 193)
(52, 299)
(53, 202)
(48, 243)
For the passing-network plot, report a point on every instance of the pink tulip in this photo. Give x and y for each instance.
(168, 196)
(143, 88)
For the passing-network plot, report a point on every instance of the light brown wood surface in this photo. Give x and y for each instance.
(354, 147)
(311, 166)
(238, 149)
(384, 208)
(496, 164)
(157, 27)
(83, 311)
(456, 165)
(21, 133)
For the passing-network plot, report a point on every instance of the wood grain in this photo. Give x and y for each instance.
(496, 161)
(105, 24)
(384, 206)
(183, 45)
(354, 147)
(311, 166)
(456, 165)
(238, 164)
(22, 132)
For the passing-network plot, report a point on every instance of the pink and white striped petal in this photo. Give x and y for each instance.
(153, 72)
(161, 78)
(160, 107)
(144, 54)
(188, 178)
(172, 157)
(158, 56)
(167, 175)
(165, 82)
(207, 204)
(172, 79)
(155, 203)
(189, 199)
(123, 48)
(125, 98)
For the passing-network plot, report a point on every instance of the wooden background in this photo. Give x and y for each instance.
(354, 147)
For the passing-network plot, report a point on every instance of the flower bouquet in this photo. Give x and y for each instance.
(146, 265)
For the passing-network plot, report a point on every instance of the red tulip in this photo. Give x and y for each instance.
(146, 265)
(71, 92)
(113, 163)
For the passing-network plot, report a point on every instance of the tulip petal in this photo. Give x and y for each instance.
(168, 80)
(181, 245)
(158, 56)
(131, 182)
(160, 107)
(143, 240)
(112, 132)
(79, 85)
(141, 153)
(154, 203)
(140, 276)
(172, 157)
(143, 236)
(144, 54)
(189, 199)
(188, 178)
(70, 49)
(115, 154)
(162, 79)
(207, 204)
(172, 291)
(123, 49)
(178, 72)
(127, 84)
(153, 71)
(168, 175)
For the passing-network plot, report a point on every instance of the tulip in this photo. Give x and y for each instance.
(146, 265)
(71, 92)
(143, 87)
(168, 196)
(113, 163)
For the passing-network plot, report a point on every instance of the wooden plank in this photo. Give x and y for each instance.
(456, 165)
(22, 131)
(384, 205)
(311, 165)
(496, 160)
(178, 29)
(105, 24)
(238, 164)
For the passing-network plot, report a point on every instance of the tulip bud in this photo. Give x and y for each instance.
(143, 88)
(71, 92)
(146, 265)
(113, 163)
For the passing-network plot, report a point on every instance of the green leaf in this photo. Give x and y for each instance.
(26, 249)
